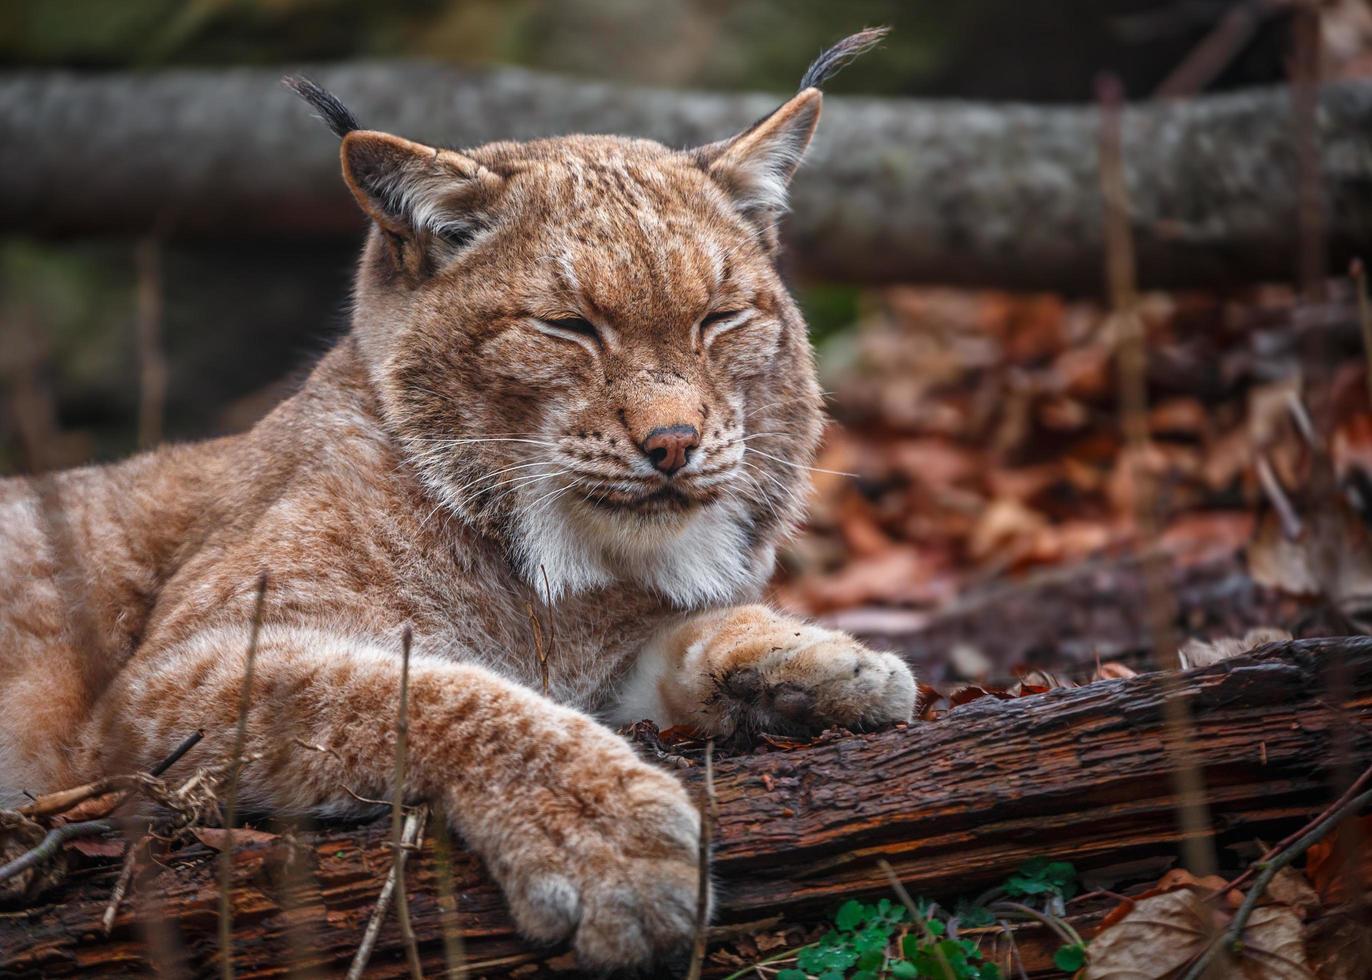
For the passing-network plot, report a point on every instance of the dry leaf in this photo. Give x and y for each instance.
(214, 836)
(1290, 888)
(1157, 939)
(1174, 880)
(1162, 935)
(1340, 948)
(1327, 861)
(97, 847)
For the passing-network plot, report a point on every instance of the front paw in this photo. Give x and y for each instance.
(804, 679)
(604, 852)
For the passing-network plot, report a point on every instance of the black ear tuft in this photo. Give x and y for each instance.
(831, 61)
(334, 113)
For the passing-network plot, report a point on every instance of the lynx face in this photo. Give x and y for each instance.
(586, 351)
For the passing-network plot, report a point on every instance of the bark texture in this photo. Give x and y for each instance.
(893, 189)
(1079, 774)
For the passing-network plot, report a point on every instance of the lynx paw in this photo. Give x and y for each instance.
(805, 679)
(608, 857)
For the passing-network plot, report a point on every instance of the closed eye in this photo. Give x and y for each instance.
(570, 327)
(716, 323)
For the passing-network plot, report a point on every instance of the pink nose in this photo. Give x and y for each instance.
(669, 447)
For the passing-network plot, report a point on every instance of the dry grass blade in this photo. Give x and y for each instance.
(707, 818)
(539, 652)
(121, 886)
(454, 948)
(231, 803)
(915, 917)
(1121, 279)
(1358, 271)
(152, 364)
(402, 737)
(410, 836)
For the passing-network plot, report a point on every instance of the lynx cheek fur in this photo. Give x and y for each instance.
(573, 380)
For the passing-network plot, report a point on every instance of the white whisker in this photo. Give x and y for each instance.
(800, 466)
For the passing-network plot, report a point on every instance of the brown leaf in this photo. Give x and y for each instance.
(214, 836)
(1290, 888)
(97, 847)
(1156, 939)
(1113, 672)
(1340, 947)
(1329, 863)
(1174, 880)
(972, 692)
(1162, 935)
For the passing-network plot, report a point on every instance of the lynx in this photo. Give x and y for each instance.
(574, 384)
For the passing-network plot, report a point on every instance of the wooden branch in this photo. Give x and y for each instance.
(893, 189)
(1079, 774)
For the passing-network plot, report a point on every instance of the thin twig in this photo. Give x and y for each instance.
(1008, 931)
(1217, 49)
(539, 652)
(1055, 924)
(1358, 271)
(411, 832)
(402, 738)
(1290, 521)
(190, 742)
(1121, 278)
(454, 949)
(707, 818)
(121, 886)
(50, 804)
(1305, 78)
(783, 956)
(1357, 787)
(231, 803)
(50, 844)
(152, 364)
(58, 836)
(1232, 936)
(916, 916)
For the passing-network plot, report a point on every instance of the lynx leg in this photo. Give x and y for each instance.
(748, 669)
(588, 842)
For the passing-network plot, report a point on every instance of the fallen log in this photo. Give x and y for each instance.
(1080, 774)
(893, 189)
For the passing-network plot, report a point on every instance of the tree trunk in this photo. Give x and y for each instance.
(1077, 774)
(893, 190)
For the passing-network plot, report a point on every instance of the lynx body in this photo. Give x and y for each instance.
(574, 387)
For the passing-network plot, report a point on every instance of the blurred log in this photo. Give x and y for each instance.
(1067, 619)
(894, 189)
(1080, 774)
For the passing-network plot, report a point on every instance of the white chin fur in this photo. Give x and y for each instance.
(694, 559)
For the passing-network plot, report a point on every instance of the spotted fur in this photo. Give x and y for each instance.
(468, 460)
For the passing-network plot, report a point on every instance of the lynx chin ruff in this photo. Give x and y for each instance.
(574, 380)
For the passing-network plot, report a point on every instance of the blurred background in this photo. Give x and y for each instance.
(1002, 515)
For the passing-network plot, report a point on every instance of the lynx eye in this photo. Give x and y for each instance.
(571, 327)
(716, 323)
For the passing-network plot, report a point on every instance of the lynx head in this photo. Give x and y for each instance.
(584, 347)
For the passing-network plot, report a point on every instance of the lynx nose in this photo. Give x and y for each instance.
(669, 446)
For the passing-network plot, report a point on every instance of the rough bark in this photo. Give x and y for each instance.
(1080, 774)
(894, 189)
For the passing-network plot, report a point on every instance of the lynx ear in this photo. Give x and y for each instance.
(420, 197)
(757, 165)
(413, 190)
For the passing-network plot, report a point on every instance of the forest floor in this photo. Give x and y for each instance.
(979, 508)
